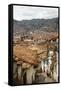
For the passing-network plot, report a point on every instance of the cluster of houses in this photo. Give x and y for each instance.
(41, 57)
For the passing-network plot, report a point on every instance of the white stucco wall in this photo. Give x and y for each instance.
(49, 60)
(29, 74)
(14, 69)
(42, 65)
(49, 63)
(55, 73)
(19, 72)
(46, 67)
(56, 68)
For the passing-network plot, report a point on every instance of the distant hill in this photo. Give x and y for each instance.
(47, 25)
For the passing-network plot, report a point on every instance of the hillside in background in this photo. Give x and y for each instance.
(24, 26)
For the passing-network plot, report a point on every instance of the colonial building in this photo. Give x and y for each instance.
(24, 66)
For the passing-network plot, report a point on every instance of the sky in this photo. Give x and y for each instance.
(28, 13)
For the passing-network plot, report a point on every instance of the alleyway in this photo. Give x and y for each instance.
(43, 78)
